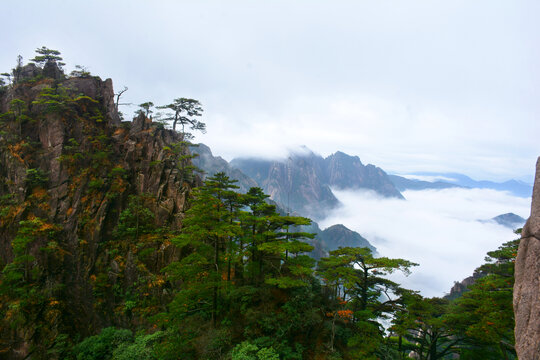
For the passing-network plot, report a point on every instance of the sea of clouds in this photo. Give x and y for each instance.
(438, 229)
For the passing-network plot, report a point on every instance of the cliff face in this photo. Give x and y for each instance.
(348, 172)
(303, 181)
(70, 173)
(211, 165)
(297, 183)
(527, 282)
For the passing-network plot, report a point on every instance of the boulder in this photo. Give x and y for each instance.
(52, 70)
(28, 72)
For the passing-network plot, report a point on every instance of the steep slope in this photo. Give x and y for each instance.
(324, 241)
(211, 165)
(527, 282)
(303, 180)
(297, 183)
(79, 193)
(348, 172)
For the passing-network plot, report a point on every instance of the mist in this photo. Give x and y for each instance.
(438, 229)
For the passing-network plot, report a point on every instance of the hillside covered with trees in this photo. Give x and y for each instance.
(112, 247)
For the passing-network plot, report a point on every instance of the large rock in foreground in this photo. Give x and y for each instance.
(527, 282)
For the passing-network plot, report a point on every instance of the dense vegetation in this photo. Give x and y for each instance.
(234, 282)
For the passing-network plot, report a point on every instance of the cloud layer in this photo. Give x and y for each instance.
(436, 228)
(408, 86)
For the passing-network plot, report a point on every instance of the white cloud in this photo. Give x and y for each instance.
(436, 228)
(428, 178)
(409, 86)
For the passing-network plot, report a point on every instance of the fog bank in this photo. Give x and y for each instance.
(438, 229)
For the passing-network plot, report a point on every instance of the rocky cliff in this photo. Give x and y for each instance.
(347, 172)
(304, 180)
(527, 282)
(297, 183)
(79, 192)
(325, 240)
(211, 165)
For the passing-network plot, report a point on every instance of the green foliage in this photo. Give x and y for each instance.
(249, 351)
(102, 346)
(55, 100)
(141, 349)
(136, 219)
(484, 315)
(423, 324)
(361, 294)
(145, 108)
(29, 298)
(45, 55)
(80, 72)
(235, 282)
(184, 112)
(36, 177)
(117, 344)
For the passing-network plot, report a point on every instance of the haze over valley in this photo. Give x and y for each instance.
(445, 223)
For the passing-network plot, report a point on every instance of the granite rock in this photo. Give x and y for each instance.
(527, 282)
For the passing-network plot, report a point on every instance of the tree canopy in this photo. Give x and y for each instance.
(184, 111)
(46, 55)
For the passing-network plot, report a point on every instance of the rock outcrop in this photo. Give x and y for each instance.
(211, 165)
(70, 173)
(297, 183)
(527, 282)
(460, 287)
(304, 180)
(348, 172)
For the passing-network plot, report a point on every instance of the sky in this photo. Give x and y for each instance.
(437, 229)
(417, 85)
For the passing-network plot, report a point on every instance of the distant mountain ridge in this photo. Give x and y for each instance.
(515, 187)
(348, 172)
(403, 183)
(303, 181)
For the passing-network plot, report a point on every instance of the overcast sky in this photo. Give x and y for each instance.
(406, 85)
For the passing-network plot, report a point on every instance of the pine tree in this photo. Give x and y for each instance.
(46, 55)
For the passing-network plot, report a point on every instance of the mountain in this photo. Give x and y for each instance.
(297, 184)
(338, 235)
(509, 220)
(402, 184)
(347, 172)
(211, 165)
(515, 187)
(302, 182)
(80, 194)
(325, 240)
